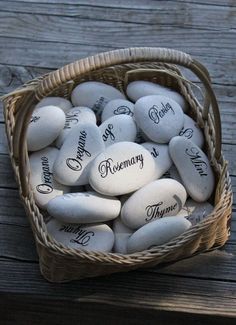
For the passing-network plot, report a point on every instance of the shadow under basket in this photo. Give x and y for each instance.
(117, 68)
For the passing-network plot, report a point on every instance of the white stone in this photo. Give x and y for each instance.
(158, 199)
(117, 107)
(43, 184)
(60, 102)
(192, 131)
(45, 125)
(194, 168)
(122, 168)
(160, 153)
(74, 117)
(159, 117)
(91, 237)
(117, 129)
(122, 234)
(95, 95)
(195, 211)
(80, 147)
(85, 207)
(140, 88)
(157, 233)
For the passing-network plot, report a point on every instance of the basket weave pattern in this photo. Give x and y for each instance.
(59, 263)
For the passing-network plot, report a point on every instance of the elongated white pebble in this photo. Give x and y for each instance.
(159, 117)
(140, 88)
(157, 233)
(195, 211)
(45, 125)
(60, 102)
(117, 107)
(80, 147)
(85, 207)
(117, 129)
(158, 199)
(122, 168)
(192, 131)
(95, 95)
(43, 184)
(91, 237)
(74, 117)
(194, 168)
(160, 154)
(122, 234)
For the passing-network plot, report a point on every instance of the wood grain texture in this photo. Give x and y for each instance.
(23, 309)
(40, 35)
(190, 14)
(169, 293)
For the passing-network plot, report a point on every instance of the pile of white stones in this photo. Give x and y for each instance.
(114, 173)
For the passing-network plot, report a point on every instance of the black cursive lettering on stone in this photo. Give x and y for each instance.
(154, 152)
(71, 118)
(187, 133)
(75, 163)
(107, 166)
(34, 118)
(108, 133)
(83, 236)
(123, 110)
(154, 211)
(46, 186)
(156, 114)
(197, 161)
(99, 105)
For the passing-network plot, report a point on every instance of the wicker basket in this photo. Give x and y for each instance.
(59, 263)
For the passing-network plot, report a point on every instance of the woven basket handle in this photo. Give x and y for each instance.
(102, 60)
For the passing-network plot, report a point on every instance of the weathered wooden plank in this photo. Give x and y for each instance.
(53, 55)
(17, 242)
(6, 172)
(218, 264)
(129, 289)
(11, 206)
(150, 4)
(187, 15)
(40, 310)
(28, 26)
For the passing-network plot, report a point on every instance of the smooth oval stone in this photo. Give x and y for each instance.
(159, 117)
(44, 127)
(157, 233)
(91, 237)
(195, 211)
(140, 88)
(117, 107)
(160, 153)
(158, 199)
(194, 168)
(192, 131)
(117, 129)
(60, 102)
(43, 184)
(80, 147)
(95, 95)
(122, 234)
(86, 207)
(122, 168)
(74, 117)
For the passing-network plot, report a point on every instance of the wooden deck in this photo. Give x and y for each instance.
(38, 36)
